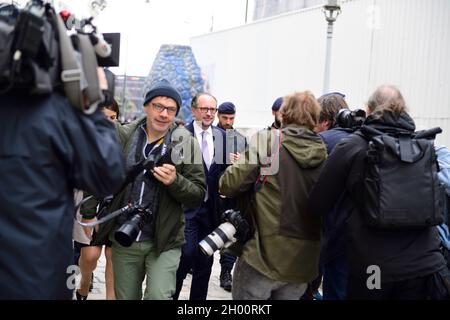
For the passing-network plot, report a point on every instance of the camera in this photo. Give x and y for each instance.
(129, 230)
(350, 119)
(142, 214)
(235, 228)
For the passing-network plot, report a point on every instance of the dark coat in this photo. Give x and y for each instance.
(218, 166)
(400, 254)
(335, 221)
(286, 243)
(48, 148)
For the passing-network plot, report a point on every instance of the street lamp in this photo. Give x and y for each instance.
(331, 9)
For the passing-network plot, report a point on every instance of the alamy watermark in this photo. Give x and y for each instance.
(374, 280)
(262, 150)
(74, 278)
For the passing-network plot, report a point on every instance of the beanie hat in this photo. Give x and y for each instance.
(163, 88)
(277, 104)
(227, 108)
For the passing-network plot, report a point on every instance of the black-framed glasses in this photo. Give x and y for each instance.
(160, 108)
(206, 110)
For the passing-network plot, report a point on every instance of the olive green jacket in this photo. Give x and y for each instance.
(187, 191)
(286, 244)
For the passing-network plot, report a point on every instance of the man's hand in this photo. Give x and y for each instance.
(89, 230)
(166, 173)
(234, 157)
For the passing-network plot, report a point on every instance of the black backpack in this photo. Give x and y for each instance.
(401, 188)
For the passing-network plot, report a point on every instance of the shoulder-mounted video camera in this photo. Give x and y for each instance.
(38, 57)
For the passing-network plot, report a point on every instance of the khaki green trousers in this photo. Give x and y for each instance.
(132, 264)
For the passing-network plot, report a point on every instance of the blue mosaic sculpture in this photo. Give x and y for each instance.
(177, 64)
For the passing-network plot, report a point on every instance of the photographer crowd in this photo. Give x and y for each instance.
(353, 202)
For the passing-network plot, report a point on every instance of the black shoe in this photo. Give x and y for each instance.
(226, 279)
(79, 296)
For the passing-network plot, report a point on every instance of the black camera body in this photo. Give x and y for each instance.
(350, 119)
(140, 214)
(158, 159)
(128, 231)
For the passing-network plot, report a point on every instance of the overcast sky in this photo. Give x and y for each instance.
(147, 24)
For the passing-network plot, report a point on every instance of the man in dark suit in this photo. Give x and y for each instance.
(202, 221)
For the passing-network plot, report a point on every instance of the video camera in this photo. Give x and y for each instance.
(235, 228)
(350, 119)
(38, 57)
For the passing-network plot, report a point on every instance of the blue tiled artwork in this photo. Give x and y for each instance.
(177, 64)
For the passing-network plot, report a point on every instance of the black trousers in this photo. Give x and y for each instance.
(435, 286)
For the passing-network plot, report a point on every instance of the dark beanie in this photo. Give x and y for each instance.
(227, 108)
(163, 88)
(277, 104)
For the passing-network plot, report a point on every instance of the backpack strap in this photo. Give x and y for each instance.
(276, 145)
(71, 71)
(404, 138)
(406, 148)
(90, 65)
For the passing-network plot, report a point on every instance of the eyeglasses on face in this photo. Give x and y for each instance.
(160, 108)
(206, 110)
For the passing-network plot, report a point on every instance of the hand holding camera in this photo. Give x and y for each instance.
(167, 173)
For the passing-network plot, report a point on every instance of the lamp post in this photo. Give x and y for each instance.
(331, 9)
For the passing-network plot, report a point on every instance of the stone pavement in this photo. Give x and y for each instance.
(215, 292)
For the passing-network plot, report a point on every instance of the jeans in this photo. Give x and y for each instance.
(249, 284)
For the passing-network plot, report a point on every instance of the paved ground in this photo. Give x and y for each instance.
(215, 292)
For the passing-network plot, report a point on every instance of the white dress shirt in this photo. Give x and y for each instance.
(209, 137)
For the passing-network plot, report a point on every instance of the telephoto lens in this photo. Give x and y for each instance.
(129, 231)
(223, 236)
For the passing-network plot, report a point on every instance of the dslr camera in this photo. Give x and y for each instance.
(350, 119)
(129, 230)
(235, 228)
(140, 215)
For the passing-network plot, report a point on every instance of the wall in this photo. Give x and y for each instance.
(402, 42)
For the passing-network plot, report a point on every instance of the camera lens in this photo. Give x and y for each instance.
(129, 231)
(223, 235)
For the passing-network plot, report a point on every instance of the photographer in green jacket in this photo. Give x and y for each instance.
(147, 240)
(282, 255)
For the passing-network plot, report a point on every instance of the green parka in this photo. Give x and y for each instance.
(187, 191)
(286, 243)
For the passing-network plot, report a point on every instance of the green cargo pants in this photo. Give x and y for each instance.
(132, 264)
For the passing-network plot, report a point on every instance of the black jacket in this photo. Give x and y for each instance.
(401, 255)
(48, 148)
(335, 221)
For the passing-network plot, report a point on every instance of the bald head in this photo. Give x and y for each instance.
(387, 97)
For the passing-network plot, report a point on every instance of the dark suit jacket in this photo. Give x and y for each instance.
(214, 203)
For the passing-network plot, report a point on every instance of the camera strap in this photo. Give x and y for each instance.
(128, 208)
(276, 145)
(72, 72)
